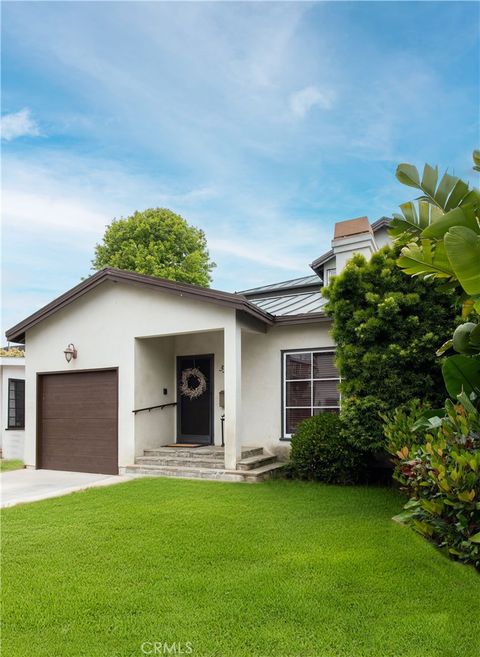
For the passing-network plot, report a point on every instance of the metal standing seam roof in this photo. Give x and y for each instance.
(304, 281)
(297, 296)
(291, 304)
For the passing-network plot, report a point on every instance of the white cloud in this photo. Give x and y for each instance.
(19, 124)
(249, 250)
(48, 211)
(301, 102)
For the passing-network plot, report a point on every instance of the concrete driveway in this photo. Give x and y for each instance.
(19, 486)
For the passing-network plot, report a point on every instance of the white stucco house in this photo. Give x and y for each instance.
(161, 374)
(12, 395)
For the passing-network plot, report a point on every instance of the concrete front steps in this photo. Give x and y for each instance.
(205, 463)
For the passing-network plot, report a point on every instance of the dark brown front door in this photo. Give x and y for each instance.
(195, 414)
(77, 421)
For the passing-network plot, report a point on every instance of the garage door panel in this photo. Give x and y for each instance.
(91, 395)
(85, 434)
(78, 422)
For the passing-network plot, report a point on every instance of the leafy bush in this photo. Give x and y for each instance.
(387, 327)
(441, 475)
(319, 451)
(398, 426)
(361, 422)
(12, 352)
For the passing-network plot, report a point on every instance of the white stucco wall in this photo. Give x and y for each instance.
(346, 247)
(154, 372)
(141, 332)
(155, 369)
(12, 440)
(262, 381)
(330, 264)
(103, 325)
(382, 238)
(364, 244)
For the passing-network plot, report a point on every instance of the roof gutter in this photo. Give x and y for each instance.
(301, 318)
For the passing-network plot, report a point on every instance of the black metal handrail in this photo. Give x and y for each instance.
(149, 408)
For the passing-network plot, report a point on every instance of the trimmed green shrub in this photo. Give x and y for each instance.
(387, 327)
(360, 422)
(441, 475)
(319, 452)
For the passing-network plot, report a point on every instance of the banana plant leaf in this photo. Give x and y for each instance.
(465, 216)
(476, 160)
(412, 221)
(462, 247)
(426, 259)
(462, 374)
(450, 191)
(429, 419)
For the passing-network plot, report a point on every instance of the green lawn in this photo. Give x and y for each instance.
(6, 466)
(283, 568)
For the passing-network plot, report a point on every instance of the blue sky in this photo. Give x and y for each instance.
(261, 123)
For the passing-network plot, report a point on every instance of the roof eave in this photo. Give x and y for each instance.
(321, 260)
(302, 318)
(381, 223)
(236, 301)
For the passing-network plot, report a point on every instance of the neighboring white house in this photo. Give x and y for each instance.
(12, 395)
(153, 363)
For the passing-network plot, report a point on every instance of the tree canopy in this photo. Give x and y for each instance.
(156, 242)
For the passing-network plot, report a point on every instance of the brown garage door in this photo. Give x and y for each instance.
(77, 421)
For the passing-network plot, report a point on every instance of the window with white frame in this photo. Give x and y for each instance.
(310, 386)
(328, 276)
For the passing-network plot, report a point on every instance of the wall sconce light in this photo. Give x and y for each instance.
(70, 352)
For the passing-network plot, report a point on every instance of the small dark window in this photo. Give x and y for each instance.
(16, 404)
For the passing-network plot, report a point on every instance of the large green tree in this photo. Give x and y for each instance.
(157, 242)
(387, 327)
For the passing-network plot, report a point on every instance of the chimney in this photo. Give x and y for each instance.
(352, 236)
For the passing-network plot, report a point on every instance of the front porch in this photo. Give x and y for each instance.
(197, 436)
(208, 462)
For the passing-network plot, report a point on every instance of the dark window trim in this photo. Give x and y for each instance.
(332, 349)
(13, 427)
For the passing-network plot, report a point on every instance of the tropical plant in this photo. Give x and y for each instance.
(159, 243)
(443, 227)
(441, 475)
(399, 426)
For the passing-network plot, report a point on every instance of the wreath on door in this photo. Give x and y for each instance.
(193, 383)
